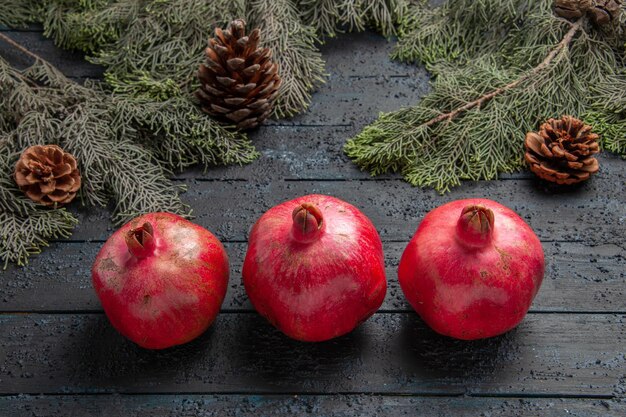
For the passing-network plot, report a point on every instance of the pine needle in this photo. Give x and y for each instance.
(293, 45)
(501, 68)
(125, 146)
(153, 48)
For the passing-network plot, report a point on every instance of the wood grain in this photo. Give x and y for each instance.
(548, 355)
(301, 406)
(579, 278)
(588, 214)
(567, 357)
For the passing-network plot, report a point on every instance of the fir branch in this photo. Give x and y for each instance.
(86, 25)
(489, 91)
(17, 13)
(293, 45)
(608, 113)
(482, 100)
(125, 147)
(25, 228)
(329, 17)
(25, 235)
(152, 48)
(180, 134)
(459, 29)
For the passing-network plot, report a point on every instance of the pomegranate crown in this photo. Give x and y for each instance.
(475, 226)
(140, 240)
(308, 223)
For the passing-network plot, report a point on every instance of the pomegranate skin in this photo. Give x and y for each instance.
(477, 284)
(315, 268)
(172, 291)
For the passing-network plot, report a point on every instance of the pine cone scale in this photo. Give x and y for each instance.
(259, 103)
(239, 81)
(235, 64)
(239, 115)
(225, 81)
(235, 101)
(219, 109)
(63, 169)
(605, 11)
(562, 151)
(591, 165)
(251, 70)
(600, 12)
(572, 9)
(245, 89)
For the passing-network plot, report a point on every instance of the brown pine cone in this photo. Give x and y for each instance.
(572, 9)
(600, 12)
(239, 81)
(562, 151)
(47, 175)
(605, 11)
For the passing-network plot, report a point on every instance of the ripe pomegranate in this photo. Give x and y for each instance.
(315, 268)
(161, 280)
(472, 269)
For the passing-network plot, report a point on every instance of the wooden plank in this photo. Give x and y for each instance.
(357, 101)
(300, 406)
(316, 153)
(588, 214)
(579, 278)
(364, 54)
(547, 355)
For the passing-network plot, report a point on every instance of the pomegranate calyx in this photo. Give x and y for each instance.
(308, 222)
(140, 240)
(475, 226)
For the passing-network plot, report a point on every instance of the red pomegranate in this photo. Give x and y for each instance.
(315, 268)
(472, 269)
(161, 280)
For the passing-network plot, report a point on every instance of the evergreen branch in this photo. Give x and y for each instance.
(125, 148)
(25, 227)
(152, 48)
(489, 93)
(608, 113)
(329, 17)
(459, 29)
(17, 13)
(565, 42)
(293, 46)
(23, 236)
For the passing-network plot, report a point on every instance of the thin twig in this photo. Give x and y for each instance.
(22, 49)
(567, 39)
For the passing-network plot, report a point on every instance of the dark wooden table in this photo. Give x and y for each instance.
(60, 357)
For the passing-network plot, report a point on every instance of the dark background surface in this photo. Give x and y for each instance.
(60, 357)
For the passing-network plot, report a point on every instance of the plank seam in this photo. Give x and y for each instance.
(555, 396)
